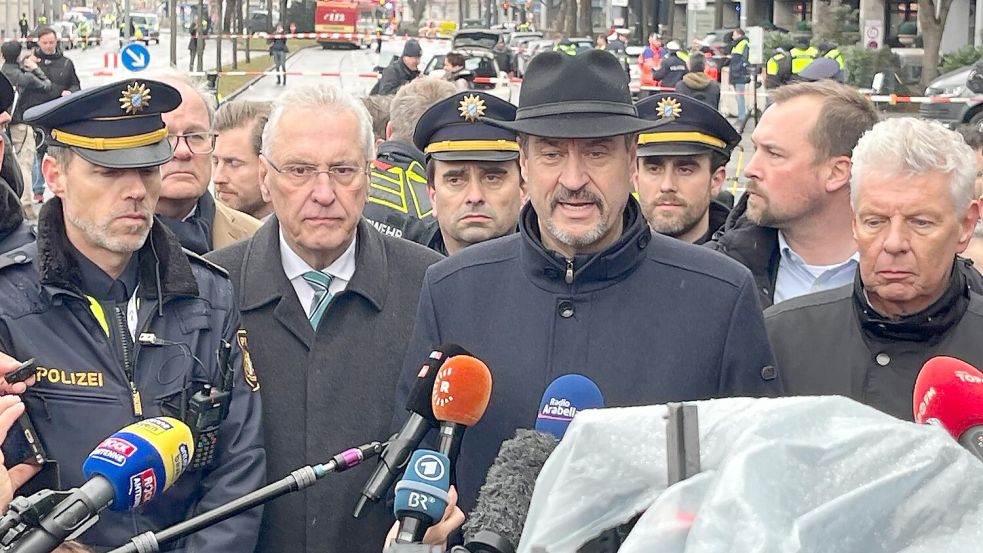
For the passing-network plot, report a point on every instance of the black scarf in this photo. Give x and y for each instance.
(195, 232)
(929, 325)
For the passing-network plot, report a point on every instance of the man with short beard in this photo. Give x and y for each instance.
(235, 163)
(682, 165)
(585, 286)
(792, 228)
(123, 324)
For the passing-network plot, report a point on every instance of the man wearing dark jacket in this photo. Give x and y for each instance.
(64, 81)
(682, 165)
(399, 203)
(697, 84)
(585, 286)
(28, 80)
(122, 322)
(792, 227)
(912, 299)
(328, 306)
(673, 67)
(400, 71)
(739, 76)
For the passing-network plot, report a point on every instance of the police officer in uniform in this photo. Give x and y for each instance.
(472, 170)
(682, 166)
(126, 325)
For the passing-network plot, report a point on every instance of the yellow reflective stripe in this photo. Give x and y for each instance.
(466, 145)
(98, 313)
(657, 137)
(118, 143)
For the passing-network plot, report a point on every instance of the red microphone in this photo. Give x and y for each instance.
(949, 393)
(460, 396)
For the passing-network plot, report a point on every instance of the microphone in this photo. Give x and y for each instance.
(421, 420)
(125, 471)
(460, 397)
(421, 496)
(304, 477)
(496, 522)
(949, 393)
(564, 398)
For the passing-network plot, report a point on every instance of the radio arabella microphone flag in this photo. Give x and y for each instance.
(124, 472)
(564, 398)
(949, 393)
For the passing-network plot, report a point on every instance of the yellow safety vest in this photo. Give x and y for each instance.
(801, 57)
(836, 55)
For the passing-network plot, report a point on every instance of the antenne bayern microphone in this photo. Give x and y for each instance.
(125, 471)
(495, 524)
(949, 393)
(421, 496)
(421, 420)
(460, 397)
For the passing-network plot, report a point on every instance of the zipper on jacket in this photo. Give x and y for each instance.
(569, 276)
(127, 346)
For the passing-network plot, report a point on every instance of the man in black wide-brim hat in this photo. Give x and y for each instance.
(585, 286)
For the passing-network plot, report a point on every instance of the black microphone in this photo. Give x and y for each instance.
(393, 461)
(496, 522)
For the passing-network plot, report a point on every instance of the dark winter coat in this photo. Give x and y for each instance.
(26, 83)
(650, 319)
(700, 86)
(671, 71)
(83, 393)
(61, 72)
(833, 342)
(398, 203)
(395, 75)
(327, 391)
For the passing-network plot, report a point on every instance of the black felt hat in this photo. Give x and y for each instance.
(582, 96)
(691, 127)
(118, 125)
(453, 129)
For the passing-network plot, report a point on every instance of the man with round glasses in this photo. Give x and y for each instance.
(186, 207)
(328, 305)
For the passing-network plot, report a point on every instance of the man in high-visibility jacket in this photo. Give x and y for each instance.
(778, 68)
(832, 51)
(739, 76)
(650, 59)
(566, 46)
(802, 55)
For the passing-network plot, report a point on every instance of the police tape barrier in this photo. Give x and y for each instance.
(325, 36)
(107, 72)
(891, 99)
(34, 40)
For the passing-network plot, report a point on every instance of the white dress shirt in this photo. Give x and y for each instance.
(342, 270)
(798, 278)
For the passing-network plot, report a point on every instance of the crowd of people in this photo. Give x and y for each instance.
(575, 232)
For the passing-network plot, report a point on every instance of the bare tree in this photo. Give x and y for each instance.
(417, 7)
(932, 15)
(570, 21)
(586, 22)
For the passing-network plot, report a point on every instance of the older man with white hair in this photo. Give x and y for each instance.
(328, 305)
(912, 191)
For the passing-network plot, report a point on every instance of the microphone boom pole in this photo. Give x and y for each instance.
(304, 477)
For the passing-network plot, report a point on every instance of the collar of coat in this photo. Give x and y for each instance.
(589, 270)
(929, 325)
(162, 260)
(263, 280)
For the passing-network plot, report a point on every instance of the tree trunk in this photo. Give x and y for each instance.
(417, 7)
(561, 17)
(586, 21)
(570, 27)
(931, 35)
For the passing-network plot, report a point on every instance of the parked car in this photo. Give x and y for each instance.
(532, 48)
(953, 85)
(478, 62)
(75, 15)
(259, 22)
(148, 25)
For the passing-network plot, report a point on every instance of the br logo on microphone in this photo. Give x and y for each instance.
(429, 467)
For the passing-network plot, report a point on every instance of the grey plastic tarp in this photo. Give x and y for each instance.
(782, 475)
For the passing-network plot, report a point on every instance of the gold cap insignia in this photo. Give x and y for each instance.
(669, 108)
(472, 107)
(135, 98)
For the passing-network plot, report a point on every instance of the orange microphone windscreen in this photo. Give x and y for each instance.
(462, 390)
(949, 392)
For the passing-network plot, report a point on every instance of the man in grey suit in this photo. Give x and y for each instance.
(328, 305)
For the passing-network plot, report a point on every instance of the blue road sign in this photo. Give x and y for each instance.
(135, 56)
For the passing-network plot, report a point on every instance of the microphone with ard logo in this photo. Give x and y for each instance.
(421, 496)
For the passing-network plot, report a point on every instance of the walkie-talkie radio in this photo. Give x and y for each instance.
(205, 409)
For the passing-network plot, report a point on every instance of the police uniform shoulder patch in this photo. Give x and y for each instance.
(248, 372)
(201, 260)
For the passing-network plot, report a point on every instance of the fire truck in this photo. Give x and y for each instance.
(344, 22)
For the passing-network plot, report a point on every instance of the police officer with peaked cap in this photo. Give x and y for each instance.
(123, 323)
(472, 169)
(682, 166)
